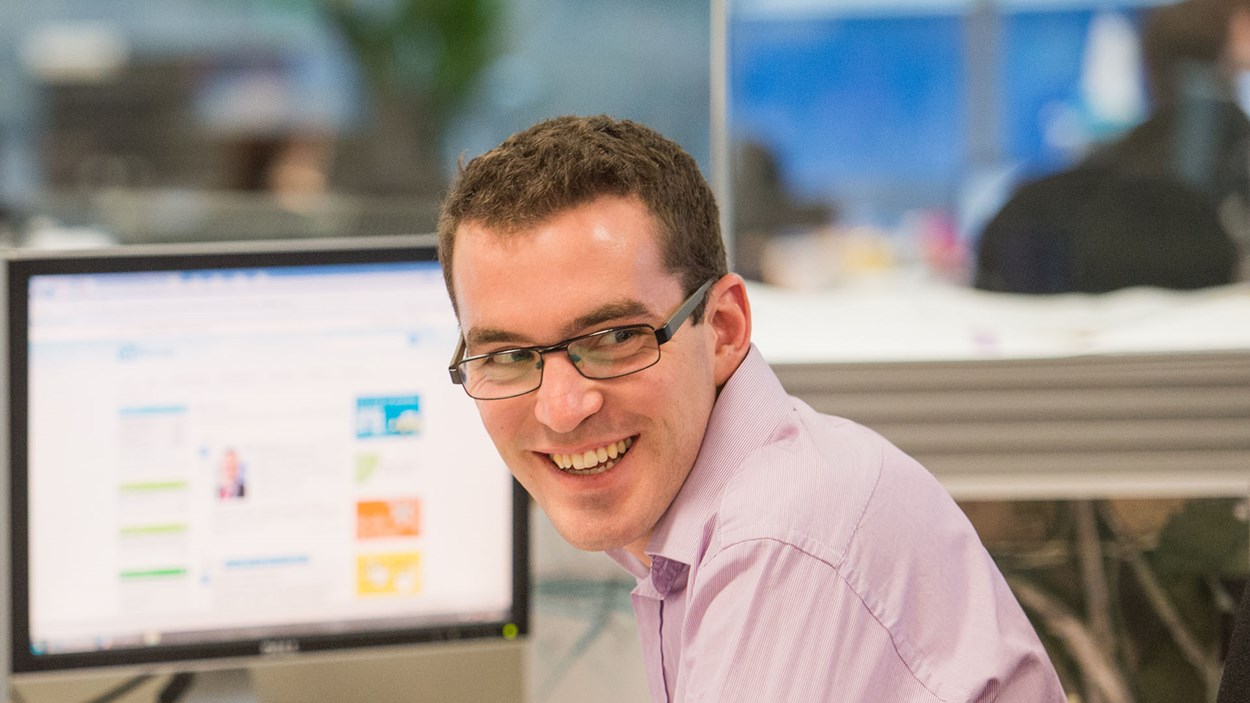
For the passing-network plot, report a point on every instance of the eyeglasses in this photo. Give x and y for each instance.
(610, 353)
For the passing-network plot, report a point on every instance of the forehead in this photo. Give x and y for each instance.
(538, 281)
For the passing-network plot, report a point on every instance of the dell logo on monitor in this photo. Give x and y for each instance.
(279, 646)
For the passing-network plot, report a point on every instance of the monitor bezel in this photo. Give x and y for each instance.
(19, 265)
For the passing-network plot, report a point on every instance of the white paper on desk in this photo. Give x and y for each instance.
(1216, 319)
(918, 322)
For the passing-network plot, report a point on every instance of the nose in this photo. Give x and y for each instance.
(565, 398)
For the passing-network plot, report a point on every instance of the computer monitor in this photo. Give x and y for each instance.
(226, 455)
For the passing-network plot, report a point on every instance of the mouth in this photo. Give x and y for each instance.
(594, 461)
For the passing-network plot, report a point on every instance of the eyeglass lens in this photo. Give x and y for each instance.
(605, 354)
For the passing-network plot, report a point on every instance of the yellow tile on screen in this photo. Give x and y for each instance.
(388, 574)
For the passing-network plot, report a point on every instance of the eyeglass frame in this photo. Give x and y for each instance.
(663, 334)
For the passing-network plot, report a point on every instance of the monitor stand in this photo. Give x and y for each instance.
(449, 672)
(225, 686)
(444, 672)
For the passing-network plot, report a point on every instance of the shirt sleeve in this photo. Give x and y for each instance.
(767, 621)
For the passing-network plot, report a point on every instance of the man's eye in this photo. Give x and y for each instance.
(625, 336)
(511, 357)
(622, 341)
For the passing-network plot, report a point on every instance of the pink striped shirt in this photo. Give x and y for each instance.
(807, 559)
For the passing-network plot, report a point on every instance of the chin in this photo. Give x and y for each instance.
(589, 540)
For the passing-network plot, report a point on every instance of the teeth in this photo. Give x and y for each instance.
(593, 461)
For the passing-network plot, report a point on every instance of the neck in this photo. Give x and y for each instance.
(638, 550)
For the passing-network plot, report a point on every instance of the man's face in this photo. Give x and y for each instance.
(583, 270)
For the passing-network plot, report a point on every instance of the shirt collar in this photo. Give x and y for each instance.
(747, 411)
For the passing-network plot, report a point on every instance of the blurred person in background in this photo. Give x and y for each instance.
(1166, 204)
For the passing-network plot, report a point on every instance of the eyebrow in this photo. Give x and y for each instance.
(601, 315)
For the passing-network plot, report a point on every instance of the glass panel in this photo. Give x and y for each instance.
(886, 138)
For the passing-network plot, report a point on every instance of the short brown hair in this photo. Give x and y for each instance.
(1193, 32)
(566, 162)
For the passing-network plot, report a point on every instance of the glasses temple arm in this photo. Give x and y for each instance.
(666, 332)
(454, 367)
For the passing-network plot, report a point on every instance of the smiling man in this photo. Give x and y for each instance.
(781, 555)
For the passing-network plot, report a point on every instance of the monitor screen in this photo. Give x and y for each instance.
(240, 450)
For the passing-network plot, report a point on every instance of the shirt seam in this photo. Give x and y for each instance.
(668, 696)
(839, 571)
(859, 522)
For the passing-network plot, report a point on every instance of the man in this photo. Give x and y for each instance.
(781, 555)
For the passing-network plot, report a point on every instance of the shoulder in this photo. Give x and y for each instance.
(831, 519)
(816, 483)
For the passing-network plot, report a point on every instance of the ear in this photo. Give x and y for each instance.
(728, 316)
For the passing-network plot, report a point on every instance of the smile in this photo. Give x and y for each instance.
(594, 461)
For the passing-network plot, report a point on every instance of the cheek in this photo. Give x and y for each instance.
(502, 420)
(692, 385)
(685, 403)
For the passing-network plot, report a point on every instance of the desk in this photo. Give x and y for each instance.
(1144, 390)
(1134, 424)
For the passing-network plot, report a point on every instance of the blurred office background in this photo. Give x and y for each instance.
(862, 140)
(190, 119)
(853, 155)
(855, 136)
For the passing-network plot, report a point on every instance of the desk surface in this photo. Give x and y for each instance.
(894, 319)
(1139, 392)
